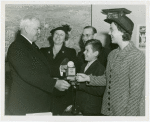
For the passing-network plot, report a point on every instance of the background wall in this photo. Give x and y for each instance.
(51, 16)
(138, 16)
(78, 16)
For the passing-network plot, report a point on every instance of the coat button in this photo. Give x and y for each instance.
(108, 92)
(108, 109)
(108, 98)
(109, 87)
(108, 103)
(110, 76)
(109, 81)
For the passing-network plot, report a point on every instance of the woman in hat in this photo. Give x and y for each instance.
(125, 72)
(56, 54)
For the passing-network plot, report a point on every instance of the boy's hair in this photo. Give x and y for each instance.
(95, 44)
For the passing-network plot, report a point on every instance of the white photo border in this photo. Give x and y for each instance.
(67, 118)
(141, 31)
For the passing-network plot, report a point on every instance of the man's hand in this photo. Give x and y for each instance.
(62, 85)
(82, 77)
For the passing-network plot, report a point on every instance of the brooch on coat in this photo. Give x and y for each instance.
(62, 51)
(49, 52)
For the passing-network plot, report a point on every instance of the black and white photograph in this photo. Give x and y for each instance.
(75, 59)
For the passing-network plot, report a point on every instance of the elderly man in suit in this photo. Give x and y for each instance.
(125, 72)
(32, 87)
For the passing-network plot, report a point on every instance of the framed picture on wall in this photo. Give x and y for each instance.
(141, 37)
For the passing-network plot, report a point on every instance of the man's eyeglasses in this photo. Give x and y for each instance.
(86, 35)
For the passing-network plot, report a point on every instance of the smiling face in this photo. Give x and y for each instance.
(89, 53)
(87, 34)
(59, 37)
(115, 34)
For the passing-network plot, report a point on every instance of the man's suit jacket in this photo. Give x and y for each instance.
(89, 98)
(32, 83)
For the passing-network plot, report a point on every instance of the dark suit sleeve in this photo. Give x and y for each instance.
(94, 90)
(55, 70)
(103, 56)
(44, 51)
(73, 56)
(79, 61)
(30, 69)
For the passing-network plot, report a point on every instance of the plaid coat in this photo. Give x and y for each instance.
(124, 79)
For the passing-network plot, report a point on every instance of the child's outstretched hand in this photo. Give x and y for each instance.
(82, 77)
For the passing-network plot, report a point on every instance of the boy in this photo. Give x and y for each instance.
(89, 98)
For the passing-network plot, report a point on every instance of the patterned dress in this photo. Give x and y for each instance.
(124, 79)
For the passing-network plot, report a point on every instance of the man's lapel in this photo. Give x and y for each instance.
(91, 67)
(61, 54)
(83, 67)
(41, 56)
(34, 52)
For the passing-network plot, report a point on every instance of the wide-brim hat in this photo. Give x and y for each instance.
(124, 22)
(66, 28)
(118, 15)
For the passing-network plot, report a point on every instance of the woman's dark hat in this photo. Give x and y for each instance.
(66, 28)
(119, 16)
